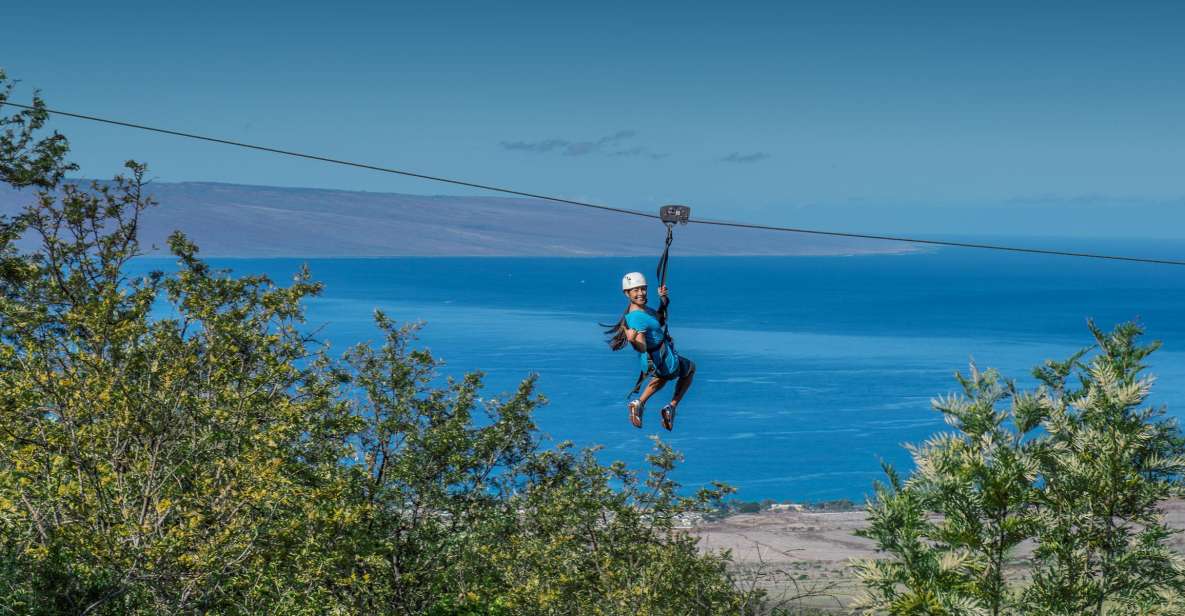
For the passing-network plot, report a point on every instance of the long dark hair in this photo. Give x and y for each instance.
(615, 334)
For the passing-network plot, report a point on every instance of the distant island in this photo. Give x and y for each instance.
(234, 220)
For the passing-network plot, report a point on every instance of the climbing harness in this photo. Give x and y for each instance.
(671, 215)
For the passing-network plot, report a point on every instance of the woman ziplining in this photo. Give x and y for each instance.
(645, 329)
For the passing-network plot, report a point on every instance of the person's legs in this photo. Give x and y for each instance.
(636, 406)
(684, 383)
(652, 388)
(686, 372)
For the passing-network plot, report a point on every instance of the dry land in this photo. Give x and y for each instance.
(792, 552)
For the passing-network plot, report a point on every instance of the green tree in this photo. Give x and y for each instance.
(149, 461)
(177, 443)
(1109, 461)
(978, 482)
(26, 158)
(1077, 470)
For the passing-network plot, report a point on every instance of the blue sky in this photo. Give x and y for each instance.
(859, 116)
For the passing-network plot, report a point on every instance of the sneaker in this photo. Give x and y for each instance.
(668, 417)
(636, 413)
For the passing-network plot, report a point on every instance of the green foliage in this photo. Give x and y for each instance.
(215, 459)
(25, 158)
(1109, 462)
(1077, 467)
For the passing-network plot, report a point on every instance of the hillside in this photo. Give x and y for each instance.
(263, 221)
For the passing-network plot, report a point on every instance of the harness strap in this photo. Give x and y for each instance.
(638, 384)
(666, 255)
(662, 280)
(655, 356)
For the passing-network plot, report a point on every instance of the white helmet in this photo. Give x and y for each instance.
(633, 280)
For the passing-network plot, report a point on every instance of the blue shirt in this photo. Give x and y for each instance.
(646, 321)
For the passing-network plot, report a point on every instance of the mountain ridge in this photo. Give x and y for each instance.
(239, 220)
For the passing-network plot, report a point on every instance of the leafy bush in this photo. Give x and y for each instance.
(1076, 467)
(218, 460)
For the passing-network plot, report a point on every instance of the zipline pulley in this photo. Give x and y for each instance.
(674, 214)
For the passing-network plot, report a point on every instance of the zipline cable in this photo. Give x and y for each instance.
(911, 240)
(519, 193)
(336, 161)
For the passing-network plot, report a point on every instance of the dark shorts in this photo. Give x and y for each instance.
(686, 366)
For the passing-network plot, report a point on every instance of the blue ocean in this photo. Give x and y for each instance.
(812, 371)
